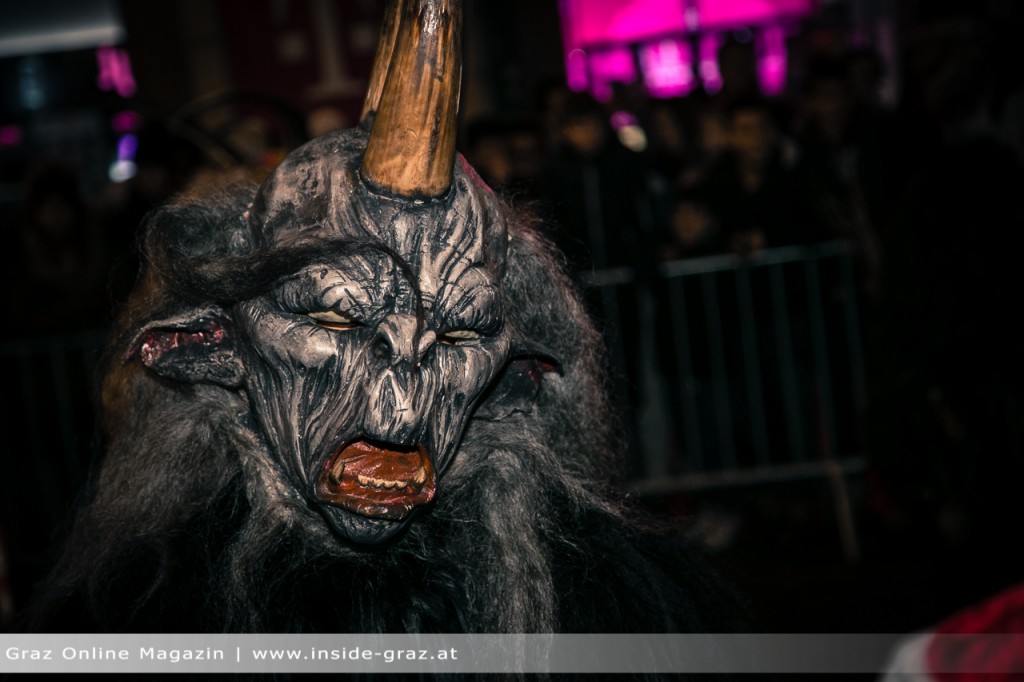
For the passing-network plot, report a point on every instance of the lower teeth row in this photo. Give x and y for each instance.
(378, 483)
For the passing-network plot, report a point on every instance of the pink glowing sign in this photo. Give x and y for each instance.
(593, 23)
(605, 40)
(598, 38)
(736, 13)
(771, 59)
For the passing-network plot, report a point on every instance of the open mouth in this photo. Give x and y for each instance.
(384, 481)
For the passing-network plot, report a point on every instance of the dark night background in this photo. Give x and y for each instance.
(899, 134)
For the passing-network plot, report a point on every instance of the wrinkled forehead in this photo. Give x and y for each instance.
(317, 194)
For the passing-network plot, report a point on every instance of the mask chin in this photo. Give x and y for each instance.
(360, 529)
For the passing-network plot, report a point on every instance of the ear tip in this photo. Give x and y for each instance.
(190, 350)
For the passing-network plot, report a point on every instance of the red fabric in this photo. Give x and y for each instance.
(982, 658)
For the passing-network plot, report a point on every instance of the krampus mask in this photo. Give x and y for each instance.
(360, 397)
(363, 366)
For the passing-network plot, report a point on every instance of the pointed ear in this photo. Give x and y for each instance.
(517, 387)
(198, 347)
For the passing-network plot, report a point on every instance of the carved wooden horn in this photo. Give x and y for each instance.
(411, 151)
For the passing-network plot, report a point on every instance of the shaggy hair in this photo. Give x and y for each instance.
(181, 528)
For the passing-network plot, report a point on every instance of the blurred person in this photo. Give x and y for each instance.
(946, 652)
(666, 136)
(595, 189)
(325, 119)
(840, 167)
(507, 154)
(593, 192)
(737, 64)
(865, 73)
(708, 128)
(667, 149)
(707, 114)
(692, 233)
(487, 151)
(552, 99)
(749, 191)
(526, 154)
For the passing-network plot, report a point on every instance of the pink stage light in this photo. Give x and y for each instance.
(668, 68)
(771, 59)
(707, 50)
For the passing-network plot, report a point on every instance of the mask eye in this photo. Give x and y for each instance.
(330, 319)
(459, 336)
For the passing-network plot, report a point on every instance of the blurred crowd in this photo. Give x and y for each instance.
(637, 179)
(926, 190)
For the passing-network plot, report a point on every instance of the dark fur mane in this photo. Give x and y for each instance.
(183, 529)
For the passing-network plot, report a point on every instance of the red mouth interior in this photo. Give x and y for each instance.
(379, 482)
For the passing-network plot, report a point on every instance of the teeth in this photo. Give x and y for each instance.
(380, 483)
(336, 472)
(421, 476)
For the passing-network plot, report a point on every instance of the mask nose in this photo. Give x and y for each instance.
(399, 340)
(400, 395)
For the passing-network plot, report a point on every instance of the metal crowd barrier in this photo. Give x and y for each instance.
(740, 370)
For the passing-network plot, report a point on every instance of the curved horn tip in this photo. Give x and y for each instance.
(382, 60)
(411, 150)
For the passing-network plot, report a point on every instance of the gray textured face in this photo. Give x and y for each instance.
(363, 367)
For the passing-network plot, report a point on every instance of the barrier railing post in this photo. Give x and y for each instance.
(693, 448)
(788, 378)
(719, 373)
(752, 366)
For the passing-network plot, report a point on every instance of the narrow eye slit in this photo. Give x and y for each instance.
(330, 319)
(457, 336)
